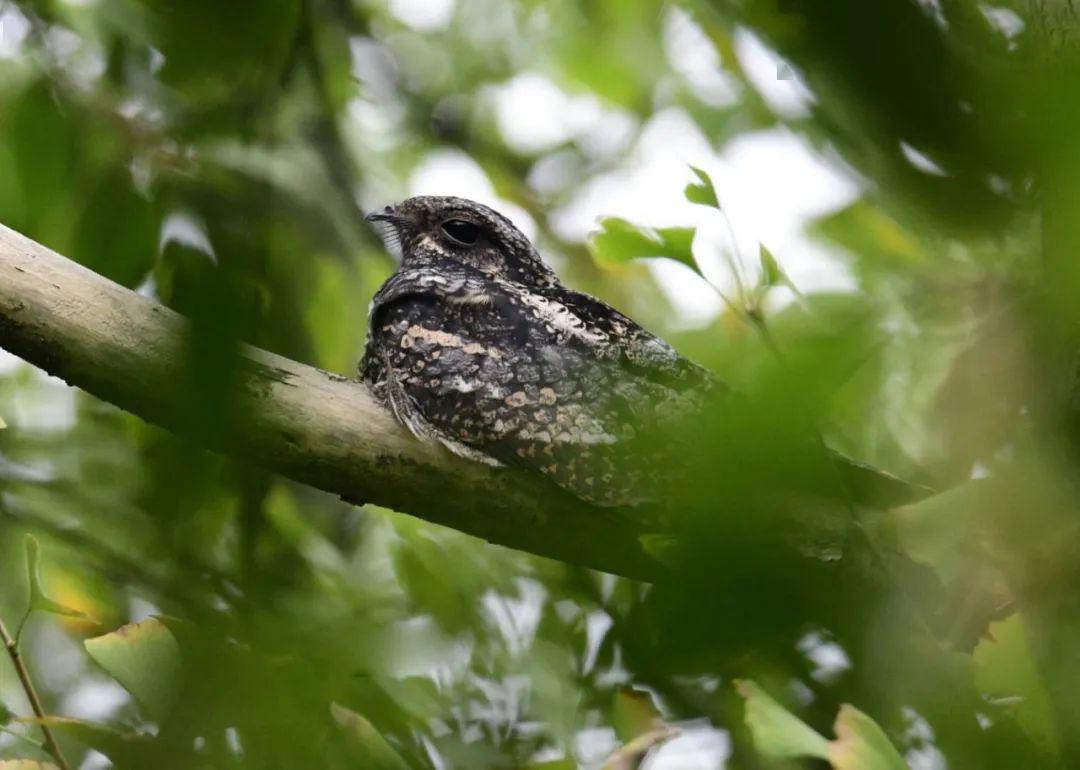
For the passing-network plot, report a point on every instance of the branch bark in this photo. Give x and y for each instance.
(318, 428)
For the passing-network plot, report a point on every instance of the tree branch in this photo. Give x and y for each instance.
(315, 427)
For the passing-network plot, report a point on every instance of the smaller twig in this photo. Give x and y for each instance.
(22, 624)
(630, 756)
(12, 647)
(757, 320)
(734, 258)
(751, 316)
(24, 738)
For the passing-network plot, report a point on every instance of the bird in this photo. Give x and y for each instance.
(475, 343)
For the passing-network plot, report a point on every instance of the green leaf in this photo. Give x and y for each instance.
(870, 234)
(123, 748)
(661, 546)
(861, 744)
(116, 233)
(37, 599)
(771, 274)
(378, 754)
(1005, 668)
(144, 658)
(26, 764)
(702, 191)
(45, 148)
(634, 714)
(237, 53)
(619, 242)
(777, 733)
(936, 530)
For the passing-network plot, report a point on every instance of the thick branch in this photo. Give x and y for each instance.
(312, 426)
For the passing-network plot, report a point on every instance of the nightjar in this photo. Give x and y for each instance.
(475, 343)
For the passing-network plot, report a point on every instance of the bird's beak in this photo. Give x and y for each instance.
(393, 233)
(386, 215)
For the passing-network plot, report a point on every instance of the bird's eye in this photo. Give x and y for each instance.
(461, 232)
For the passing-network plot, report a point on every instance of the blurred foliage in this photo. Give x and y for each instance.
(193, 611)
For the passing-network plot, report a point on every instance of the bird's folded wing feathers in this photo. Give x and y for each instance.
(641, 351)
(562, 400)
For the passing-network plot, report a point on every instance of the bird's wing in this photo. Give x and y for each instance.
(610, 334)
(492, 369)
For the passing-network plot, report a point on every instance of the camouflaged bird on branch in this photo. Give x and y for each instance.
(474, 342)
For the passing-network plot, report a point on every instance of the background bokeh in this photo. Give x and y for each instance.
(885, 206)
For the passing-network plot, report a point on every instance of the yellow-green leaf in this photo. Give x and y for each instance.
(861, 744)
(144, 658)
(38, 600)
(377, 753)
(661, 546)
(634, 714)
(777, 733)
(868, 232)
(1005, 668)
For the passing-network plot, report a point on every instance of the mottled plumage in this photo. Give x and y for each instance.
(475, 343)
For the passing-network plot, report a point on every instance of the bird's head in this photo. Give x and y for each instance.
(437, 227)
